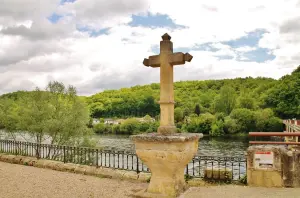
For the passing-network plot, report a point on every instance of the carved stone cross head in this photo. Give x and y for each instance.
(166, 46)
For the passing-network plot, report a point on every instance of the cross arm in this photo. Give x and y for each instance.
(152, 61)
(179, 58)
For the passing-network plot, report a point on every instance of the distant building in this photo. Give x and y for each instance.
(96, 121)
(111, 121)
(146, 119)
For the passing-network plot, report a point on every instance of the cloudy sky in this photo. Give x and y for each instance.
(100, 44)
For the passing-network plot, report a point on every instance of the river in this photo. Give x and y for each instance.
(232, 146)
(208, 146)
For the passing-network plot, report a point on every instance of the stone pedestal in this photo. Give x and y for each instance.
(273, 166)
(166, 157)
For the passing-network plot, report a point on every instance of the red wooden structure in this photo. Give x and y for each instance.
(291, 134)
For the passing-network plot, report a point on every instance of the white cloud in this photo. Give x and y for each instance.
(40, 51)
(245, 49)
(102, 13)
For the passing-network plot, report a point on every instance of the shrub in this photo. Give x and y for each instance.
(217, 129)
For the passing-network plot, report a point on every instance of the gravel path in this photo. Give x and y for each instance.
(232, 191)
(18, 181)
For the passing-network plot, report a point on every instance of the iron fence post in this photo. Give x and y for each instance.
(64, 154)
(97, 158)
(137, 165)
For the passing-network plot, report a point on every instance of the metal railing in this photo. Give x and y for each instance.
(275, 134)
(211, 167)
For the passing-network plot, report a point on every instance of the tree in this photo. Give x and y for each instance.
(56, 114)
(245, 118)
(266, 121)
(284, 97)
(217, 128)
(197, 110)
(246, 101)
(226, 101)
(178, 115)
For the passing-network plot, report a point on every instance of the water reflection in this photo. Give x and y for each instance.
(209, 146)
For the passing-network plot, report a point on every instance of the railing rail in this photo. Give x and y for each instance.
(200, 166)
(276, 134)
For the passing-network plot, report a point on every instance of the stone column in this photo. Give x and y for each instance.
(166, 102)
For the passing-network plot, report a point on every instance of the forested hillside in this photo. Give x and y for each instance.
(211, 96)
(214, 107)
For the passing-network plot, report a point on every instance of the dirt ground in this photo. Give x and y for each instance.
(18, 181)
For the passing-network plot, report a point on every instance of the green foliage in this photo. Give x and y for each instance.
(200, 124)
(243, 180)
(246, 101)
(231, 126)
(226, 101)
(227, 106)
(57, 114)
(128, 126)
(284, 97)
(217, 128)
(245, 119)
(197, 110)
(267, 122)
(178, 114)
(209, 95)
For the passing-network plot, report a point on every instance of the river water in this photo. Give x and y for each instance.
(208, 146)
(216, 148)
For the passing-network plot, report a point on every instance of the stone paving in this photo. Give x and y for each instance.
(30, 182)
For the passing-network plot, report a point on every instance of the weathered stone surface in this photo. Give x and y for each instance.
(69, 167)
(264, 178)
(166, 60)
(284, 173)
(196, 182)
(17, 160)
(41, 163)
(144, 177)
(59, 166)
(166, 156)
(176, 137)
(90, 170)
(130, 175)
(80, 169)
(218, 173)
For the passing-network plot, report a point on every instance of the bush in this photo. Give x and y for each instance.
(201, 124)
(217, 129)
(266, 121)
(116, 129)
(103, 128)
(231, 126)
(130, 126)
(245, 118)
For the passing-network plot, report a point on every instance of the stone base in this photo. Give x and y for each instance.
(166, 156)
(167, 130)
(283, 171)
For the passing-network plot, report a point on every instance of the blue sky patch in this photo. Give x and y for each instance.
(197, 47)
(251, 39)
(259, 55)
(93, 33)
(54, 18)
(66, 1)
(154, 21)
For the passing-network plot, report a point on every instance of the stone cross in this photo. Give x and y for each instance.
(166, 60)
